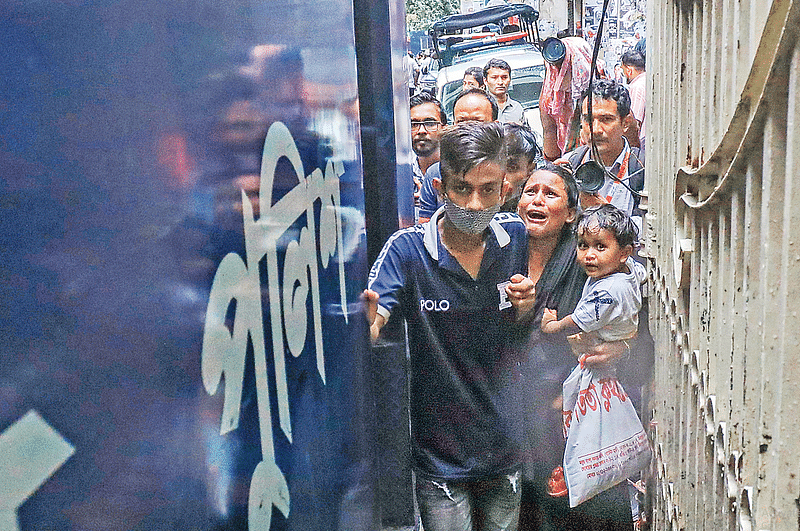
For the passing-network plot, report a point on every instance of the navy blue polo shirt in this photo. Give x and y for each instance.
(458, 331)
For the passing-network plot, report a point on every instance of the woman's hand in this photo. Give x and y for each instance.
(521, 293)
(550, 148)
(599, 353)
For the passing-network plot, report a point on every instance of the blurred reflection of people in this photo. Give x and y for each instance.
(234, 110)
(227, 138)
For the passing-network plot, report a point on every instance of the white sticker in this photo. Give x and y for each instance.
(30, 452)
(238, 278)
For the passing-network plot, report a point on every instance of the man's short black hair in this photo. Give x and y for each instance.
(608, 89)
(612, 219)
(633, 58)
(482, 93)
(464, 146)
(427, 97)
(496, 63)
(476, 72)
(521, 142)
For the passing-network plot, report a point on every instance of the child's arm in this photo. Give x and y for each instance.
(552, 324)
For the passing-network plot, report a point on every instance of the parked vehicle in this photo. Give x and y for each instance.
(527, 76)
(503, 32)
(497, 26)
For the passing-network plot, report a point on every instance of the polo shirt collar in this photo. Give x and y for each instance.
(431, 234)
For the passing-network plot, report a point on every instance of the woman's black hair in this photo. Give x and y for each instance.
(477, 73)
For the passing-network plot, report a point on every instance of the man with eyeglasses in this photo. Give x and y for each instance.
(427, 118)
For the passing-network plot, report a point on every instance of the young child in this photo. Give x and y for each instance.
(612, 296)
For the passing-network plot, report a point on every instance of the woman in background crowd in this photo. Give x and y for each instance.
(473, 78)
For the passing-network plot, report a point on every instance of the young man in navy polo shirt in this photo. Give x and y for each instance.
(459, 282)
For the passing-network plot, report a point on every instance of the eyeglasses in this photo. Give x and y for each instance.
(430, 125)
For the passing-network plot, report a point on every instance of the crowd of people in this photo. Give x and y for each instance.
(509, 258)
(418, 73)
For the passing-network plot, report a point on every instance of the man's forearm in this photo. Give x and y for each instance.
(550, 137)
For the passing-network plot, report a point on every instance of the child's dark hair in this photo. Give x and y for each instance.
(613, 220)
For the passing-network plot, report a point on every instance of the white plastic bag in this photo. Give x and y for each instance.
(606, 442)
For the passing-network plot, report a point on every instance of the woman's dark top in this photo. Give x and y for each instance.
(543, 362)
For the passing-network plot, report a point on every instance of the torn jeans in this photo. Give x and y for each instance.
(485, 505)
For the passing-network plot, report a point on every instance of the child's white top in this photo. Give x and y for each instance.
(610, 305)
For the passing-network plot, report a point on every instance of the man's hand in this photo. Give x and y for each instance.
(522, 294)
(376, 321)
(590, 200)
(630, 129)
(549, 316)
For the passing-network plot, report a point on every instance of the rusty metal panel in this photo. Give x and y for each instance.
(721, 231)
